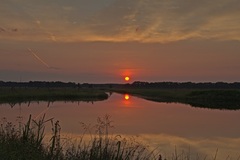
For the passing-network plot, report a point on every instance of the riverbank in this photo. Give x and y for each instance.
(206, 98)
(208, 95)
(18, 95)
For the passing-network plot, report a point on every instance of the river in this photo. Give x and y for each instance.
(165, 126)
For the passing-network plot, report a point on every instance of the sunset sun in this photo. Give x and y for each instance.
(126, 78)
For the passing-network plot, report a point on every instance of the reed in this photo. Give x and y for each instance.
(26, 141)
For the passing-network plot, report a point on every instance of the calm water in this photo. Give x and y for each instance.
(162, 125)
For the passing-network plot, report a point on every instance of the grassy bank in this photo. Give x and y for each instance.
(207, 98)
(16, 95)
(27, 142)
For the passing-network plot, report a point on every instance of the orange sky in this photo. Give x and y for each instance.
(148, 40)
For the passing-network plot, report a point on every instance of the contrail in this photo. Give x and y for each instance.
(38, 58)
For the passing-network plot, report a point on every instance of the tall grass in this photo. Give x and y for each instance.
(103, 146)
(26, 141)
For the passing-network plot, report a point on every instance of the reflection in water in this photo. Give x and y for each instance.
(126, 96)
(196, 148)
(162, 125)
(127, 101)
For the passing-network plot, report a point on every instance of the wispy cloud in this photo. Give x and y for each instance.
(156, 20)
(8, 29)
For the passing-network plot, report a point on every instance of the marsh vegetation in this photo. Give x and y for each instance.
(206, 98)
(18, 95)
(208, 95)
(26, 141)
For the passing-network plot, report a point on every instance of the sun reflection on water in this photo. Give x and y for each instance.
(126, 97)
(127, 100)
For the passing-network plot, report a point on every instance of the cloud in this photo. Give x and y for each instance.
(2, 29)
(155, 20)
(164, 22)
(8, 29)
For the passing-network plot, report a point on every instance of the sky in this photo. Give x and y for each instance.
(101, 41)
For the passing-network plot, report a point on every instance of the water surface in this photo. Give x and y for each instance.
(163, 125)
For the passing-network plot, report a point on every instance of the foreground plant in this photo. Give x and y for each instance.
(102, 146)
(27, 142)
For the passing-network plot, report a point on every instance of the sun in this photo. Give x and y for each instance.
(126, 78)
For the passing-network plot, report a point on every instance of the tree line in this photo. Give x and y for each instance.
(136, 84)
(179, 85)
